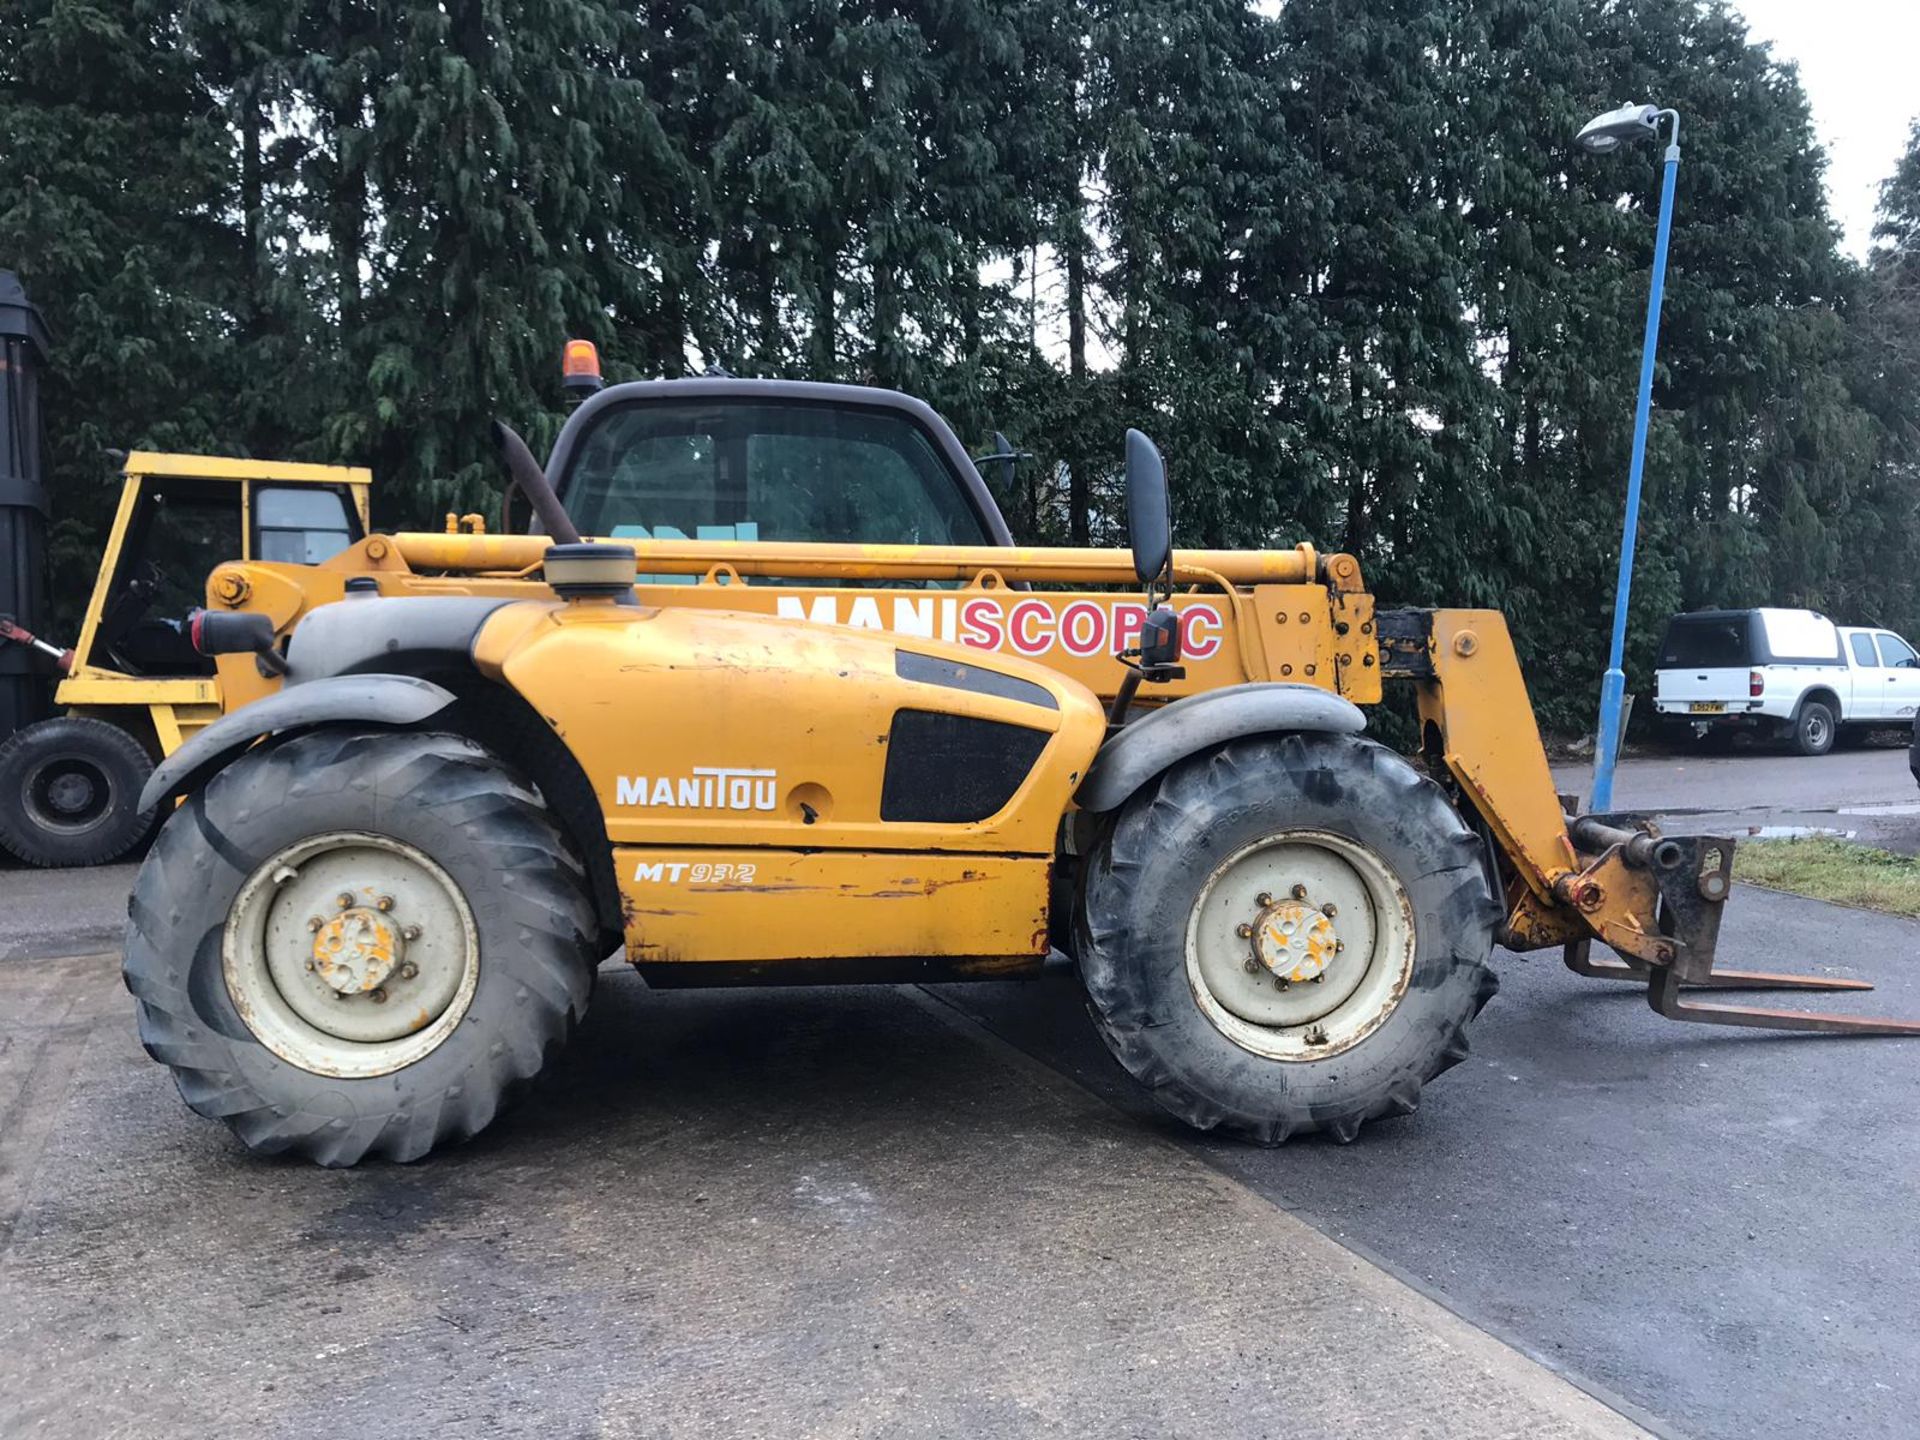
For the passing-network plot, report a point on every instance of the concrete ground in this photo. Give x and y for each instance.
(750, 1213)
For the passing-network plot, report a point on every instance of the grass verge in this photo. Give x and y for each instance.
(1830, 869)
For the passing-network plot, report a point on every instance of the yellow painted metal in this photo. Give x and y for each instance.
(521, 554)
(1230, 633)
(700, 727)
(103, 581)
(1478, 700)
(226, 467)
(739, 765)
(757, 904)
(175, 723)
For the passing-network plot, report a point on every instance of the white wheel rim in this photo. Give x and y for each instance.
(351, 954)
(1282, 911)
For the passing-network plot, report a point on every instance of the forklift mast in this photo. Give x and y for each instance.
(23, 503)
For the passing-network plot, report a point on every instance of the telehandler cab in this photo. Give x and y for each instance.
(465, 767)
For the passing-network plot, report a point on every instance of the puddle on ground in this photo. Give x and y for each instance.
(1797, 832)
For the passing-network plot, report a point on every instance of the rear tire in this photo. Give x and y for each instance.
(1193, 1012)
(70, 792)
(1814, 728)
(372, 855)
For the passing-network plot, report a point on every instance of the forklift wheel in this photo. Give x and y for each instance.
(1287, 934)
(70, 792)
(357, 943)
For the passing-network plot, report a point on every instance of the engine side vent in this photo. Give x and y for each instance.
(954, 769)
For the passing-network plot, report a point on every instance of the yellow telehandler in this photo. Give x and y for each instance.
(799, 712)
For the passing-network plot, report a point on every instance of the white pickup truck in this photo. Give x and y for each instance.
(1789, 674)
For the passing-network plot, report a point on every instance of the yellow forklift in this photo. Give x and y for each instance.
(133, 688)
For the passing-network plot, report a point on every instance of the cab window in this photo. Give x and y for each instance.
(300, 525)
(1895, 653)
(782, 471)
(1863, 651)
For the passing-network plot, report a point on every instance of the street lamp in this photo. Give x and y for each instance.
(1600, 135)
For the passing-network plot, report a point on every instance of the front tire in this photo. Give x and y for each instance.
(70, 792)
(1279, 859)
(355, 944)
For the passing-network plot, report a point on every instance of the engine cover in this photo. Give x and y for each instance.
(775, 789)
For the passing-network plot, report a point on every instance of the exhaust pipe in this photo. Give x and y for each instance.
(524, 471)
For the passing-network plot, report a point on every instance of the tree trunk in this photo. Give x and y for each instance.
(1079, 480)
(826, 321)
(252, 203)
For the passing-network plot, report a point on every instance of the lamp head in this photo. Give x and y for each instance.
(1615, 128)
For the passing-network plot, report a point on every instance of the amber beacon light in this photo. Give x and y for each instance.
(580, 366)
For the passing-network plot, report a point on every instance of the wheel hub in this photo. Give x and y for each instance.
(357, 950)
(350, 954)
(1299, 944)
(1294, 941)
(69, 793)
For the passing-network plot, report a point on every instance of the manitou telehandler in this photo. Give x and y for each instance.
(752, 738)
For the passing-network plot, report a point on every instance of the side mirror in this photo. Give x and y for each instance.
(996, 468)
(1149, 516)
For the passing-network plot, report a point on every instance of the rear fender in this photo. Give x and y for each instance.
(1152, 744)
(396, 700)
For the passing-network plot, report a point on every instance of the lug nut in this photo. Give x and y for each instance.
(385, 902)
(1279, 982)
(315, 922)
(345, 900)
(379, 996)
(1244, 931)
(311, 965)
(1299, 892)
(410, 932)
(409, 970)
(1318, 978)
(1252, 965)
(1338, 946)
(1329, 910)
(1263, 899)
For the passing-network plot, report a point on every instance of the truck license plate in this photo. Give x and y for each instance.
(1707, 707)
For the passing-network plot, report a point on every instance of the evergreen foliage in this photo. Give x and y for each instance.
(1340, 260)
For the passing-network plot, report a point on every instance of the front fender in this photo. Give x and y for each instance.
(376, 699)
(1153, 743)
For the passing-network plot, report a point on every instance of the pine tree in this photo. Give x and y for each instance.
(117, 208)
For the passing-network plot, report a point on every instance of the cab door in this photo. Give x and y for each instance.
(1900, 672)
(1869, 677)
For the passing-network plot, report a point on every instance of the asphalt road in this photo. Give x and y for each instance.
(1868, 794)
(1716, 1226)
(1719, 1226)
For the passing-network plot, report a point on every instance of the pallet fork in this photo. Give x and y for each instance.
(1694, 876)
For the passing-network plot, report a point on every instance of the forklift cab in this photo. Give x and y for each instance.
(180, 516)
(134, 689)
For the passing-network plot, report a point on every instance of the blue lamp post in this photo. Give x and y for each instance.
(1602, 134)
